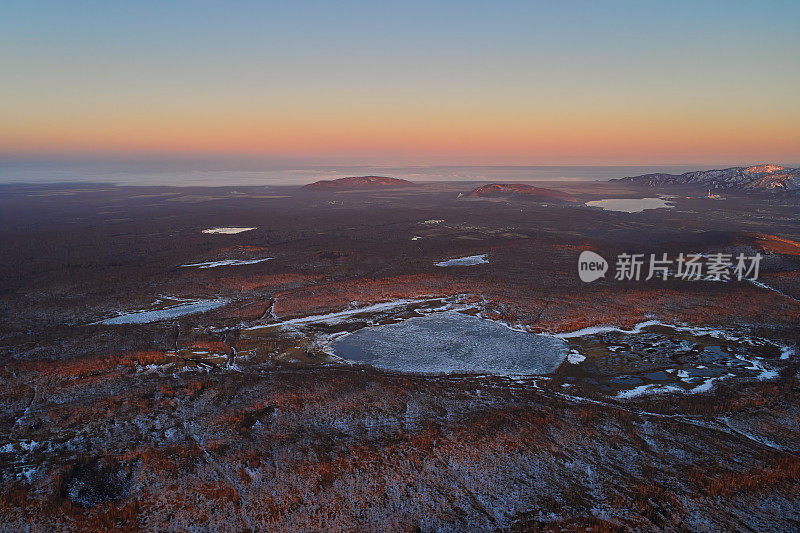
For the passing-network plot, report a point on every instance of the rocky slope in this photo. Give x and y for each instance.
(497, 190)
(772, 178)
(358, 182)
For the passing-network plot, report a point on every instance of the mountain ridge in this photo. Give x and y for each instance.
(763, 178)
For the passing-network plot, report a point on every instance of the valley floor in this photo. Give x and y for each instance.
(157, 376)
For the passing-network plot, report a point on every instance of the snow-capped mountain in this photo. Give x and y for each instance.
(773, 178)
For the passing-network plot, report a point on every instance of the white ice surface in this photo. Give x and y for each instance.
(575, 357)
(227, 230)
(470, 260)
(452, 342)
(340, 315)
(630, 205)
(773, 289)
(155, 315)
(226, 262)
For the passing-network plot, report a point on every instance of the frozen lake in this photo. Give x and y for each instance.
(630, 205)
(227, 230)
(470, 260)
(165, 313)
(452, 342)
(226, 262)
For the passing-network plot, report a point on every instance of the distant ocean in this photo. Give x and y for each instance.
(227, 172)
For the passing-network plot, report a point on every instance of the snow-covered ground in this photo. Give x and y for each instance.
(470, 260)
(769, 288)
(227, 230)
(474, 344)
(594, 330)
(697, 376)
(227, 262)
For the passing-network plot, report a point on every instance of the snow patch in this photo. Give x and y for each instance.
(594, 330)
(647, 389)
(575, 357)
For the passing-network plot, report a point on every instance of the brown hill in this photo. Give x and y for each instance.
(518, 190)
(358, 182)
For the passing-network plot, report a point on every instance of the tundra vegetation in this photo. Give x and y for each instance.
(241, 417)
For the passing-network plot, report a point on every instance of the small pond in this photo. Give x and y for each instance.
(630, 205)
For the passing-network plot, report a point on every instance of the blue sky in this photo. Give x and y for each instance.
(153, 76)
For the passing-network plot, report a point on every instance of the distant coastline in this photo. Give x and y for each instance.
(229, 172)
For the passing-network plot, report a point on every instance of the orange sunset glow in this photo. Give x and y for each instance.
(463, 136)
(483, 88)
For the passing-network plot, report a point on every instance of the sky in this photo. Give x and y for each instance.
(493, 83)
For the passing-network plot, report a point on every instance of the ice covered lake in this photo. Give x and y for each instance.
(226, 262)
(227, 230)
(470, 260)
(165, 312)
(630, 205)
(451, 342)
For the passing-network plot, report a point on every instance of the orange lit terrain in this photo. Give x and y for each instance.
(240, 418)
